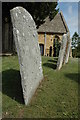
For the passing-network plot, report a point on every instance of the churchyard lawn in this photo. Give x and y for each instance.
(56, 97)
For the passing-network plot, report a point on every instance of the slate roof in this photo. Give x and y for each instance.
(56, 25)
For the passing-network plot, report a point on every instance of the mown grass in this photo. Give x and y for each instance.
(56, 97)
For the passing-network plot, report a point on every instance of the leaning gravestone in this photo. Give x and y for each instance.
(62, 52)
(26, 40)
(67, 49)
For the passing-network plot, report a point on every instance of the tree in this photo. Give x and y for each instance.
(75, 45)
(75, 40)
(78, 48)
(38, 10)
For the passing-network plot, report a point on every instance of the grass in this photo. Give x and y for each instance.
(56, 97)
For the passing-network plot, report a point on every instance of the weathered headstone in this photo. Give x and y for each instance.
(26, 40)
(68, 47)
(62, 52)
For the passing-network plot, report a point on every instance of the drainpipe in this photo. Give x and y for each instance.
(45, 44)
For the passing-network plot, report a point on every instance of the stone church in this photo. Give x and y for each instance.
(50, 32)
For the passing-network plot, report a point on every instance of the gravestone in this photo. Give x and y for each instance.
(26, 40)
(62, 52)
(67, 53)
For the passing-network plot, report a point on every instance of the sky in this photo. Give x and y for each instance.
(70, 12)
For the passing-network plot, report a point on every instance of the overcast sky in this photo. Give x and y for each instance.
(70, 12)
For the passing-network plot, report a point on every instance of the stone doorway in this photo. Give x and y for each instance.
(41, 49)
(50, 51)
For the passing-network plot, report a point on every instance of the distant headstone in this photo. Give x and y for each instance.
(26, 40)
(62, 52)
(68, 47)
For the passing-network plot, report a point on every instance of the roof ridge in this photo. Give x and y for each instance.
(56, 25)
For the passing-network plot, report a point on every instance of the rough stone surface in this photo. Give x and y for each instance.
(62, 52)
(67, 49)
(26, 40)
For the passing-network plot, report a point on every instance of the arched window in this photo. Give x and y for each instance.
(56, 45)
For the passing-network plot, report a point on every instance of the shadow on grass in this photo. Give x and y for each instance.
(11, 85)
(73, 76)
(51, 63)
(54, 61)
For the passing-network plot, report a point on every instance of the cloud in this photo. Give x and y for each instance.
(70, 9)
(73, 21)
(72, 24)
